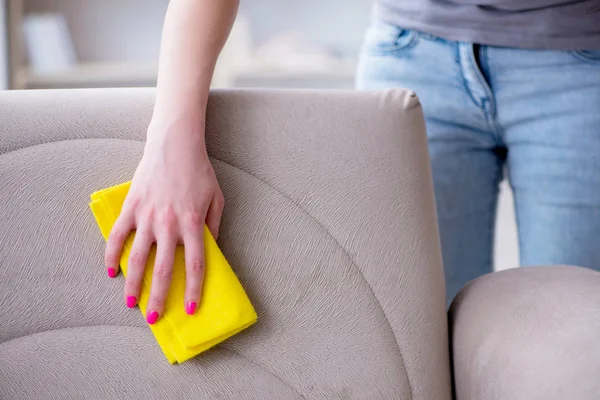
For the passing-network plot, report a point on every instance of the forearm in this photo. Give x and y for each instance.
(194, 34)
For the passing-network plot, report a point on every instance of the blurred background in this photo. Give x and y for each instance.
(54, 44)
(99, 43)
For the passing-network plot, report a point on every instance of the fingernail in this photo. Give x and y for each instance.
(152, 317)
(190, 309)
(112, 272)
(131, 301)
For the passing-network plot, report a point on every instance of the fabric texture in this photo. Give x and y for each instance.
(492, 110)
(527, 24)
(224, 309)
(329, 225)
(528, 333)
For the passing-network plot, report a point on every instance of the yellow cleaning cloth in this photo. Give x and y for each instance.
(224, 309)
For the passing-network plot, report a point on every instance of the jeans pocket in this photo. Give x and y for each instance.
(591, 56)
(383, 38)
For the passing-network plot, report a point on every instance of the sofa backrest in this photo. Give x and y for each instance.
(329, 223)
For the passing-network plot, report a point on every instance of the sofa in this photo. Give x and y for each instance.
(330, 226)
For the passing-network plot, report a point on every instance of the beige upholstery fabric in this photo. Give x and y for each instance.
(329, 223)
(528, 333)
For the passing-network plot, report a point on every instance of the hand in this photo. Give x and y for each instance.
(174, 192)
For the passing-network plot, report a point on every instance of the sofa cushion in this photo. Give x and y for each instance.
(528, 333)
(329, 224)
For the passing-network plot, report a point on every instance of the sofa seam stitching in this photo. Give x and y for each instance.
(219, 348)
(263, 368)
(110, 139)
(68, 328)
(312, 217)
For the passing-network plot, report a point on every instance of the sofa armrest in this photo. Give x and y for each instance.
(528, 333)
(329, 224)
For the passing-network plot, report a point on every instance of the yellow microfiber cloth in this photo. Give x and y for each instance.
(224, 309)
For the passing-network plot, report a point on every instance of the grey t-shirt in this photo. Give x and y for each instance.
(539, 24)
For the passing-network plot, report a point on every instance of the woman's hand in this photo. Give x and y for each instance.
(174, 192)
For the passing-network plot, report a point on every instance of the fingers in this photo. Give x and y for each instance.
(166, 231)
(213, 216)
(194, 264)
(142, 243)
(114, 245)
(161, 278)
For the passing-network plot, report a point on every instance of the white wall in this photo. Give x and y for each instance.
(340, 24)
(110, 30)
(129, 30)
(506, 242)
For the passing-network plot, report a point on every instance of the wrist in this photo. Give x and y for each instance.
(175, 98)
(186, 126)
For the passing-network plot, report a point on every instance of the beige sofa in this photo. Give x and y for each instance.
(330, 225)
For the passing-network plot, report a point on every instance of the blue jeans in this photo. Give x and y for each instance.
(534, 114)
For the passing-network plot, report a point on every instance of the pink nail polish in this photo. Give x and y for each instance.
(112, 272)
(190, 309)
(152, 317)
(131, 301)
